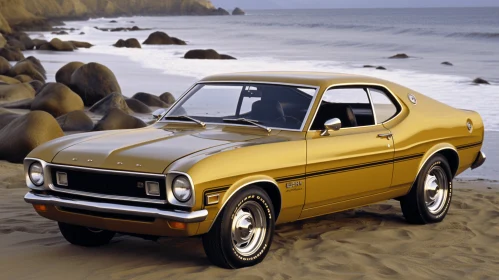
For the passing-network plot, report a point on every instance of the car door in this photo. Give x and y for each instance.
(351, 163)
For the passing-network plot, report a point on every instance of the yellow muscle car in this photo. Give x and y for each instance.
(239, 153)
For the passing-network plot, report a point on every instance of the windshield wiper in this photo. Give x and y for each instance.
(185, 118)
(248, 121)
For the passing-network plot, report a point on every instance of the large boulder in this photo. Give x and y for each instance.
(27, 67)
(39, 42)
(24, 133)
(23, 78)
(238, 12)
(7, 117)
(9, 80)
(167, 98)
(150, 100)
(63, 46)
(36, 85)
(79, 44)
(114, 100)
(117, 119)
(57, 99)
(11, 54)
(64, 74)
(16, 92)
(24, 104)
(4, 66)
(3, 41)
(161, 38)
(137, 106)
(128, 43)
(93, 82)
(206, 54)
(24, 39)
(15, 44)
(75, 121)
(36, 62)
(221, 12)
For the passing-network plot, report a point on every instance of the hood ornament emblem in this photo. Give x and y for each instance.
(120, 163)
(75, 159)
(89, 160)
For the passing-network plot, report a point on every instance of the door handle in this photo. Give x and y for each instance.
(385, 135)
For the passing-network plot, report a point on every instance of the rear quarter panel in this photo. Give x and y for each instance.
(429, 127)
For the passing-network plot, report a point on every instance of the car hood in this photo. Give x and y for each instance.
(149, 150)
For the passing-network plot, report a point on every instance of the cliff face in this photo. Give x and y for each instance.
(24, 12)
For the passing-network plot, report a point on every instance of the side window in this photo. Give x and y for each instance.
(384, 108)
(351, 105)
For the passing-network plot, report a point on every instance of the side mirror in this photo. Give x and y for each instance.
(158, 113)
(332, 124)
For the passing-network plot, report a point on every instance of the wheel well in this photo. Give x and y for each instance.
(452, 158)
(274, 194)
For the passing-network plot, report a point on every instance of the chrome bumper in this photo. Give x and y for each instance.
(480, 159)
(179, 216)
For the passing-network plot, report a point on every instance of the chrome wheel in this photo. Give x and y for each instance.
(436, 190)
(248, 229)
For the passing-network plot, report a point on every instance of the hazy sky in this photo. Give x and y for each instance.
(290, 4)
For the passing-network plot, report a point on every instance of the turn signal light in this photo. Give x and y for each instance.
(177, 225)
(40, 207)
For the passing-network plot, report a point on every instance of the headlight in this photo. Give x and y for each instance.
(182, 189)
(35, 173)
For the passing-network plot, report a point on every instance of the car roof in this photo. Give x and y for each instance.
(315, 79)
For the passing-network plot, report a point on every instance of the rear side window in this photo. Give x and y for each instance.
(384, 107)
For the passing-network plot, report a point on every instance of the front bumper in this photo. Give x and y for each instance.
(178, 216)
(480, 159)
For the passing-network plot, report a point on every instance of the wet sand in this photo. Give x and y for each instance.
(372, 242)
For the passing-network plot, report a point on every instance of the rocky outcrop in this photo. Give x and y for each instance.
(4, 66)
(480, 81)
(9, 80)
(161, 38)
(21, 104)
(75, 121)
(221, 12)
(128, 43)
(57, 44)
(117, 119)
(36, 85)
(238, 12)
(94, 81)
(79, 44)
(24, 133)
(23, 78)
(26, 14)
(3, 41)
(446, 63)
(57, 100)
(11, 54)
(206, 54)
(64, 74)
(399, 56)
(114, 100)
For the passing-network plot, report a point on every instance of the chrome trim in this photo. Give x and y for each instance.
(169, 190)
(369, 96)
(48, 184)
(57, 178)
(147, 190)
(238, 189)
(479, 161)
(314, 97)
(179, 216)
(395, 97)
(175, 103)
(431, 155)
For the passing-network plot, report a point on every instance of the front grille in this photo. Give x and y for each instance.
(108, 215)
(111, 184)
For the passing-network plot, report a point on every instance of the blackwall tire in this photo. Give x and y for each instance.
(430, 196)
(86, 237)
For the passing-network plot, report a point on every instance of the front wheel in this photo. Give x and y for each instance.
(242, 234)
(430, 196)
(86, 237)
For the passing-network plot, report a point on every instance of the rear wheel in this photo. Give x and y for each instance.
(242, 234)
(83, 236)
(430, 196)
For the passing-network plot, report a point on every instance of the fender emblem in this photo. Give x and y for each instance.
(293, 184)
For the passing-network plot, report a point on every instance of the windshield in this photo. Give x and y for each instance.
(275, 106)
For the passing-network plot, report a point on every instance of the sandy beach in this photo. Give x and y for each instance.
(373, 242)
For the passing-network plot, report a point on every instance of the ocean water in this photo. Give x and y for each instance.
(329, 40)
